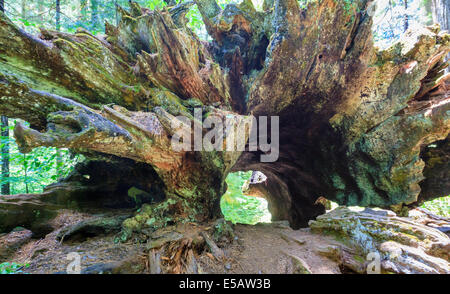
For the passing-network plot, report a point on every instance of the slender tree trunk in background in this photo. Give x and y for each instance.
(58, 15)
(25, 170)
(23, 9)
(58, 28)
(441, 14)
(94, 14)
(406, 24)
(24, 17)
(428, 8)
(41, 11)
(83, 5)
(116, 12)
(59, 163)
(5, 189)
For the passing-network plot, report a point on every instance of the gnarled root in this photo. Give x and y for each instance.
(93, 227)
(403, 245)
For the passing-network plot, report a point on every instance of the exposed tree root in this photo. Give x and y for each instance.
(404, 246)
(93, 227)
(28, 211)
(9, 243)
(355, 126)
(215, 250)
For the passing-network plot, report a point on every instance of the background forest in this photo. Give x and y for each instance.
(30, 173)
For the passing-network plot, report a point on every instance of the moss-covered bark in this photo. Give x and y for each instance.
(353, 119)
(403, 244)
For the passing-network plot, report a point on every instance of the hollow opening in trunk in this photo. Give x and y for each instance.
(115, 184)
(242, 203)
(30, 173)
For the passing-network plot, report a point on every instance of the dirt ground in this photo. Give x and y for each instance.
(267, 249)
(263, 248)
(48, 255)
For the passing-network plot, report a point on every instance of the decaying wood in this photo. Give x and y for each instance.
(154, 258)
(127, 266)
(356, 122)
(426, 217)
(403, 245)
(215, 250)
(348, 259)
(28, 211)
(12, 241)
(93, 227)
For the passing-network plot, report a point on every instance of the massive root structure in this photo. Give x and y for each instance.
(355, 121)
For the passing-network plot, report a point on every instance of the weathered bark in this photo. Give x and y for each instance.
(406, 21)
(5, 187)
(11, 242)
(436, 171)
(405, 246)
(353, 119)
(102, 184)
(440, 11)
(351, 128)
(29, 211)
(93, 227)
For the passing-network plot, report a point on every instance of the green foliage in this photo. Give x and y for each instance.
(12, 268)
(240, 208)
(195, 23)
(89, 14)
(33, 14)
(304, 3)
(155, 4)
(30, 173)
(389, 19)
(439, 206)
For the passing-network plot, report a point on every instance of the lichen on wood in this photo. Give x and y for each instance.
(404, 246)
(355, 121)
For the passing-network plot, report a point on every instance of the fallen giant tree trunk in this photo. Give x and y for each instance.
(353, 118)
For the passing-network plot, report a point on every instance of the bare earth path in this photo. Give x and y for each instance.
(267, 249)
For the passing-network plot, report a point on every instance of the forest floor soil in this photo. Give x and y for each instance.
(262, 248)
